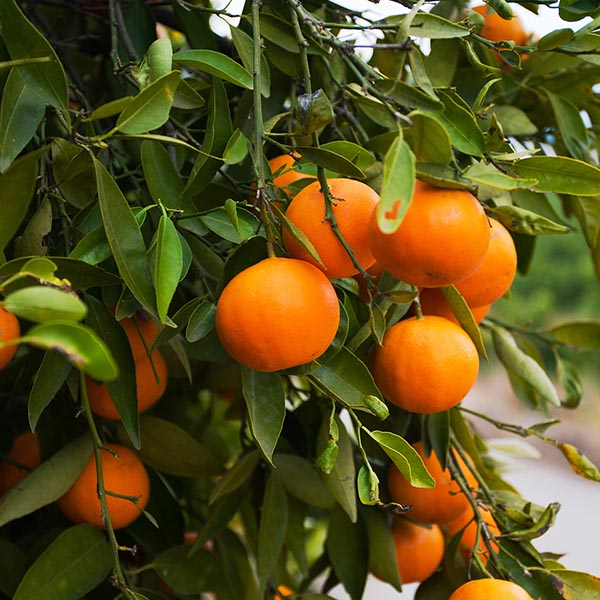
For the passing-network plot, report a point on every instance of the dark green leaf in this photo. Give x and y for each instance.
(219, 221)
(331, 161)
(583, 335)
(73, 565)
(410, 95)
(428, 139)
(202, 322)
(244, 46)
(168, 265)
(217, 64)
(160, 174)
(32, 242)
(236, 149)
(12, 567)
(313, 111)
(41, 303)
(236, 476)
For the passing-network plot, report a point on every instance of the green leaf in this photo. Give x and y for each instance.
(48, 380)
(525, 221)
(47, 483)
(580, 463)
(12, 567)
(481, 173)
(513, 120)
(170, 449)
(235, 478)
(346, 378)
(32, 242)
(124, 238)
(570, 124)
(160, 174)
(405, 457)
(41, 303)
(265, 401)
(554, 39)
(21, 113)
(79, 344)
(397, 186)
(217, 64)
(159, 57)
(271, 532)
(367, 484)
(539, 527)
(244, 45)
(433, 26)
(332, 161)
(201, 322)
(236, 149)
(24, 41)
(580, 334)
(168, 265)
(150, 109)
(560, 174)
(522, 365)
(312, 112)
(428, 139)
(74, 564)
(347, 551)
(17, 186)
(110, 109)
(409, 95)
(575, 585)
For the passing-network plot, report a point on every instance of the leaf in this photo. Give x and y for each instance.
(41, 303)
(72, 565)
(125, 239)
(21, 113)
(17, 186)
(220, 223)
(428, 139)
(570, 124)
(489, 175)
(433, 26)
(12, 567)
(312, 112)
(560, 174)
(575, 585)
(160, 174)
(80, 345)
(24, 41)
(409, 95)
(580, 463)
(168, 265)
(32, 241)
(513, 120)
(346, 549)
(48, 380)
(235, 478)
(217, 64)
(265, 401)
(201, 322)
(405, 457)
(397, 186)
(236, 149)
(580, 334)
(347, 379)
(525, 221)
(367, 484)
(170, 449)
(271, 532)
(150, 109)
(331, 161)
(47, 483)
(159, 56)
(522, 365)
(244, 45)
(110, 109)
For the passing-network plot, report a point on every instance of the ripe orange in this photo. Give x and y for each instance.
(123, 474)
(466, 525)
(9, 330)
(150, 387)
(433, 302)
(282, 589)
(425, 365)
(277, 314)
(352, 205)
(441, 504)
(290, 171)
(419, 549)
(141, 332)
(441, 240)
(494, 276)
(497, 29)
(25, 451)
(490, 589)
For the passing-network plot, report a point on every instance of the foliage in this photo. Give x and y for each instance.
(134, 143)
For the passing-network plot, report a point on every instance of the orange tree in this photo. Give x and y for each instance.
(141, 220)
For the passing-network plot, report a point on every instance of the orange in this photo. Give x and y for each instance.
(282, 589)
(352, 205)
(123, 474)
(466, 526)
(9, 330)
(433, 302)
(439, 504)
(150, 387)
(277, 314)
(419, 549)
(425, 365)
(141, 332)
(289, 171)
(25, 451)
(497, 29)
(494, 276)
(441, 240)
(490, 589)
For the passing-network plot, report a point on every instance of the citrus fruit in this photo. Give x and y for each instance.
(419, 549)
(433, 302)
(440, 504)
(497, 29)
(490, 589)
(289, 171)
(9, 330)
(352, 205)
(141, 332)
(277, 314)
(282, 589)
(25, 451)
(466, 526)
(441, 240)
(123, 473)
(425, 365)
(150, 387)
(494, 276)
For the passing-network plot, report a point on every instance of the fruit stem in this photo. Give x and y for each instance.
(418, 307)
(98, 446)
